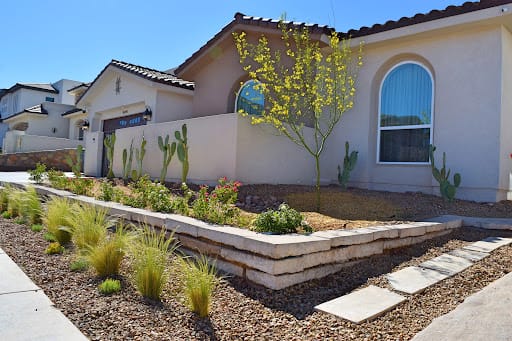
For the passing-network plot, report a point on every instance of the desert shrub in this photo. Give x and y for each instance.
(219, 205)
(147, 194)
(36, 227)
(57, 179)
(281, 221)
(57, 219)
(14, 205)
(31, 206)
(198, 282)
(49, 237)
(180, 204)
(109, 286)
(150, 254)
(81, 186)
(106, 256)
(4, 198)
(38, 174)
(107, 191)
(89, 226)
(78, 265)
(20, 221)
(6, 215)
(54, 248)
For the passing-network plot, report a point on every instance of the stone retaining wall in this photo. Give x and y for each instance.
(24, 161)
(277, 261)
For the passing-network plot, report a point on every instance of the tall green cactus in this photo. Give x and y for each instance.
(442, 176)
(349, 163)
(168, 151)
(127, 162)
(183, 151)
(109, 143)
(139, 157)
(76, 166)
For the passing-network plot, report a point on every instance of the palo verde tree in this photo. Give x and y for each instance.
(307, 86)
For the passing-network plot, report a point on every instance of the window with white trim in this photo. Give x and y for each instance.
(250, 99)
(405, 114)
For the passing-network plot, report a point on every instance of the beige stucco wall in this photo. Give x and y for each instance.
(505, 179)
(172, 106)
(20, 142)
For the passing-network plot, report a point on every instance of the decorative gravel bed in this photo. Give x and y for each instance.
(244, 311)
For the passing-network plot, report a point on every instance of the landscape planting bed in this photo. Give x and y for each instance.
(276, 261)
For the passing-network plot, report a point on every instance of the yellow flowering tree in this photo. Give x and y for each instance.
(304, 85)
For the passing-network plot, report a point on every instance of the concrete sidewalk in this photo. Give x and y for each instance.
(485, 315)
(26, 313)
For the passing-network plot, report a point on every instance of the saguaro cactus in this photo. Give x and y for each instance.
(183, 151)
(168, 151)
(109, 143)
(349, 163)
(442, 176)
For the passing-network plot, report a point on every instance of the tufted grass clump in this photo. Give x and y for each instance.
(49, 237)
(150, 252)
(57, 218)
(198, 280)
(54, 248)
(15, 202)
(4, 198)
(36, 227)
(109, 286)
(89, 226)
(106, 256)
(31, 206)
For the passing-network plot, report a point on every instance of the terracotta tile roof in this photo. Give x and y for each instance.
(146, 73)
(72, 111)
(419, 18)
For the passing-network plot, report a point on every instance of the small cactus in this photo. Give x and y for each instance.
(76, 167)
(183, 151)
(127, 162)
(442, 176)
(349, 163)
(139, 157)
(109, 143)
(168, 151)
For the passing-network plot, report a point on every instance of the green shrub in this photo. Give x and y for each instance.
(89, 226)
(79, 265)
(109, 286)
(107, 191)
(6, 215)
(106, 256)
(49, 237)
(57, 218)
(54, 248)
(31, 206)
(150, 254)
(57, 179)
(81, 186)
(198, 281)
(219, 205)
(14, 206)
(284, 220)
(36, 227)
(20, 221)
(38, 174)
(4, 198)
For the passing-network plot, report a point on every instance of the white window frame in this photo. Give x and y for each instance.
(240, 89)
(421, 126)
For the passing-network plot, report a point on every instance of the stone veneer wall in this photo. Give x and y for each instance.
(23, 161)
(277, 261)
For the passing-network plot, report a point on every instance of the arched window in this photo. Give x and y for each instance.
(249, 99)
(405, 114)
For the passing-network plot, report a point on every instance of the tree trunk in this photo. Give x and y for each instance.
(317, 185)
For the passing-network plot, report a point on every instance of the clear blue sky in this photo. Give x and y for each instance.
(44, 41)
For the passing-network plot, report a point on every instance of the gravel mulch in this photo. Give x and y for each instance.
(242, 311)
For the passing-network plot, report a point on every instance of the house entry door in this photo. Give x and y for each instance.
(110, 127)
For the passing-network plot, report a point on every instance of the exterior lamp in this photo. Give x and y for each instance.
(146, 115)
(85, 125)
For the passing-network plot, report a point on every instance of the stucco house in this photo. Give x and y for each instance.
(31, 116)
(439, 78)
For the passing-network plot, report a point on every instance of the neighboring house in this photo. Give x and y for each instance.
(35, 110)
(439, 78)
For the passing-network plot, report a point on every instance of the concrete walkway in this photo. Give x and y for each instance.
(484, 316)
(26, 313)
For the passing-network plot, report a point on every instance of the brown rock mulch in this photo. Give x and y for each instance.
(243, 311)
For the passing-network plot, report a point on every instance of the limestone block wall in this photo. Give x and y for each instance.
(24, 161)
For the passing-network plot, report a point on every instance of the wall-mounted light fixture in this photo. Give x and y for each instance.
(54, 130)
(147, 114)
(85, 125)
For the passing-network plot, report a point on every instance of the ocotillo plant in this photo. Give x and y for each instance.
(76, 167)
(168, 151)
(139, 157)
(349, 163)
(183, 151)
(127, 162)
(442, 176)
(109, 143)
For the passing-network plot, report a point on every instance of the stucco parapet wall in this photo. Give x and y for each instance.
(276, 261)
